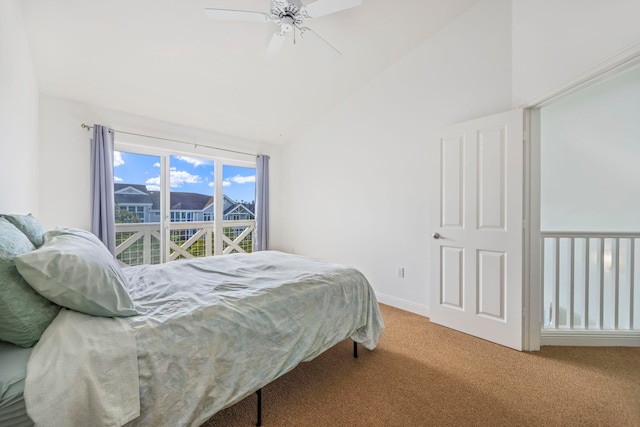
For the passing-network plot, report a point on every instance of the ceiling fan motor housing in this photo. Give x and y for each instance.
(287, 13)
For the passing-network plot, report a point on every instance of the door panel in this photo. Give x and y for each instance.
(476, 265)
(452, 160)
(491, 179)
(452, 285)
(491, 284)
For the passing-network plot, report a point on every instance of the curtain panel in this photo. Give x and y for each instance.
(262, 203)
(103, 212)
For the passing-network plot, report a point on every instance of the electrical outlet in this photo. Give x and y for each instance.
(401, 272)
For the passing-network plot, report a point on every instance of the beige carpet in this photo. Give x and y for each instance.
(423, 374)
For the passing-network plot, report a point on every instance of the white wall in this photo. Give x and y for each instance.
(65, 196)
(18, 115)
(357, 185)
(590, 155)
(356, 188)
(555, 40)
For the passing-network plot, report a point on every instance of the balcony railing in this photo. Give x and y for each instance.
(590, 282)
(139, 243)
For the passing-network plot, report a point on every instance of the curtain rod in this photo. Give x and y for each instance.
(196, 145)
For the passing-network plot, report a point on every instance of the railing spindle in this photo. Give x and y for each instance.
(601, 265)
(557, 285)
(571, 280)
(586, 282)
(632, 281)
(615, 261)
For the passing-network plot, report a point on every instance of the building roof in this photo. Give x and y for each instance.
(179, 200)
(189, 201)
(130, 194)
(242, 206)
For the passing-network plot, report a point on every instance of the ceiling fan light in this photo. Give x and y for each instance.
(286, 24)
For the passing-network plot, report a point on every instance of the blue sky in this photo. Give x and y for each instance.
(189, 174)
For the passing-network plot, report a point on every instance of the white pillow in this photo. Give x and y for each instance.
(74, 269)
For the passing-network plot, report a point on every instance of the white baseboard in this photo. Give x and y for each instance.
(412, 307)
(590, 338)
(555, 337)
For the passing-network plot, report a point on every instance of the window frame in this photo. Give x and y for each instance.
(164, 154)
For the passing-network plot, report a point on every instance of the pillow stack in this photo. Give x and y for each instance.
(30, 226)
(70, 268)
(24, 313)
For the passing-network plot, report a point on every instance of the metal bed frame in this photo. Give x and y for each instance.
(259, 391)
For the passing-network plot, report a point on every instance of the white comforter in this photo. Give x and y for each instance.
(211, 331)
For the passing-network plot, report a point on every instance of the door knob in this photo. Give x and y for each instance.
(437, 236)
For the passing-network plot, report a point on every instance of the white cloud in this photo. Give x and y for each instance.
(224, 183)
(117, 179)
(157, 164)
(176, 179)
(117, 159)
(153, 181)
(194, 162)
(153, 188)
(242, 179)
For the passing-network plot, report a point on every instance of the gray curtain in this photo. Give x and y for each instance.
(103, 223)
(262, 203)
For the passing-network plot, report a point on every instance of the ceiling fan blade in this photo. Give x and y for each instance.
(236, 15)
(325, 7)
(306, 32)
(276, 43)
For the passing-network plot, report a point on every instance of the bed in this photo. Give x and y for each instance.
(205, 334)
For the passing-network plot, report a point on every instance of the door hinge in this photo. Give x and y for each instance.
(524, 224)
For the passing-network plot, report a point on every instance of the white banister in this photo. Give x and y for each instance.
(139, 243)
(589, 282)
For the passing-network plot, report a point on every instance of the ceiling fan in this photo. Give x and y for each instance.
(289, 15)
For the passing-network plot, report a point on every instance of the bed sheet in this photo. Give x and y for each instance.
(213, 330)
(13, 371)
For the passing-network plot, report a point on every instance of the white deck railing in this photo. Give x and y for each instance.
(590, 281)
(139, 243)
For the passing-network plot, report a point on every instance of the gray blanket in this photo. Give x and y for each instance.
(213, 330)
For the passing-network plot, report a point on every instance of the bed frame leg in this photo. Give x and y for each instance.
(259, 393)
(259, 421)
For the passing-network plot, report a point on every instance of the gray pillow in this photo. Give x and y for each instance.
(24, 314)
(30, 226)
(75, 270)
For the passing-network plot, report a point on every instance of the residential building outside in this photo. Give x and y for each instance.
(191, 231)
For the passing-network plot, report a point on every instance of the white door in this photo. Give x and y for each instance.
(477, 229)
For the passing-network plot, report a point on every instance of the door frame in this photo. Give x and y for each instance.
(532, 265)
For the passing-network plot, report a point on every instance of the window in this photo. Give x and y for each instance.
(182, 216)
(153, 188)
(239, 190)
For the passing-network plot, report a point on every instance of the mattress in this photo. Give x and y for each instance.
(13, 371)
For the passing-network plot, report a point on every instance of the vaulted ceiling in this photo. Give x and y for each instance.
(166, 60)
